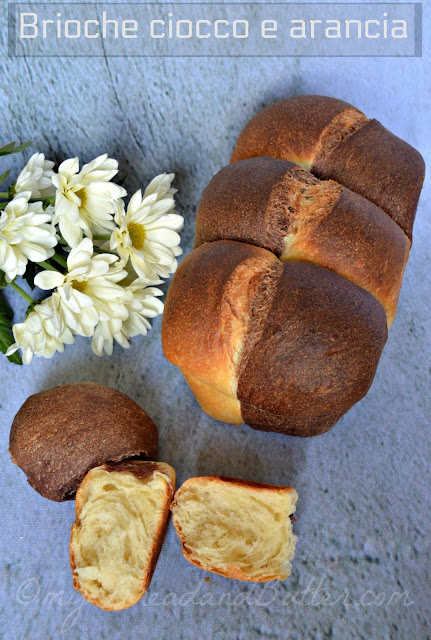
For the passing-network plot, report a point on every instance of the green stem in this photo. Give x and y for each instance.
(60, 260)
(3, 204)
(103, 236)
(47, 266)
(21, 292)
(4, 194)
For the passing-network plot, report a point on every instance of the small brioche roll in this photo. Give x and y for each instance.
(334, 140)
(61, 433)
(283, 347)
(122, 512)
(281, 207)
(238, 529)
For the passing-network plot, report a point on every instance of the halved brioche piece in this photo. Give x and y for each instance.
(283, 208)
(236, 528)
(122, 512)
(333, 139)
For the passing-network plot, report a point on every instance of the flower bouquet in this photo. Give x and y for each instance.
(96, 260)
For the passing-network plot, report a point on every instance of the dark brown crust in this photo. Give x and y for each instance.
(61, 433)
(382, 168)
(141, 470)
(317, 355)
(289, 423)
(289, 129)
(236, 205)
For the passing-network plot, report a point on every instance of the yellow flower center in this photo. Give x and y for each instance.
(82, 195)
(137, 234)
(79, 285)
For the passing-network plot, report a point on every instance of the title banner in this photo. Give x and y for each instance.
(201, 29)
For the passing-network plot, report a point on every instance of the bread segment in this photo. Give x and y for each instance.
(316, 356)
(239, 204)
(299, 217)
(207, 313)
(122, 512)
(334, 140)
(292, 129)
(380, 167)
(235, 528)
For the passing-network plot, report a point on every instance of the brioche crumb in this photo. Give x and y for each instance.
(238, 529)
(341, 127)
(121, 514)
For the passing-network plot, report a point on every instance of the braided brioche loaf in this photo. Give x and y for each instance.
(279, 316)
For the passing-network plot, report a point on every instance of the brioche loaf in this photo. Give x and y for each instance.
(279, 316)
(238, 529)
(122, 512)
(61, 433)
(285, 347)
(334, 140)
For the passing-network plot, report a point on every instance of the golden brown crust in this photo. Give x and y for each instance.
(232, 571)
(142, 470)
(317, 355)
(206, 314)
(61, 433)
(335, 140)
(290, 129)
(298, 217)
(382, 168)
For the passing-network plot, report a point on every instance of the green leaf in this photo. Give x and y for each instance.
(4, 176)
(30, 273)
(3, 283)
(6, 337)
(11, 148)
(122, 180)
(5, 310)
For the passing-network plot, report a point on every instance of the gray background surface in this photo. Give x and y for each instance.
(363, 511)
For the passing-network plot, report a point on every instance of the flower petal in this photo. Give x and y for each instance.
(48, 280)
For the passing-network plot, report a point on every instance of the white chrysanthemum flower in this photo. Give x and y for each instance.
(26, 233)
(147, 233)
(36, 177)
(142, 304)
(88, 292)
(85, 199)
(42, 333)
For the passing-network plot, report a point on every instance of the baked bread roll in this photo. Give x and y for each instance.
(283, 347)
(334, 140)
(238, 529)
(61, 433)
(122, 512)
(281, 207)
